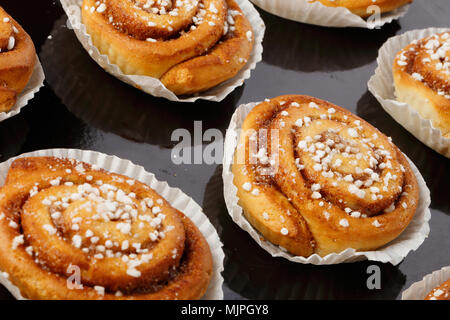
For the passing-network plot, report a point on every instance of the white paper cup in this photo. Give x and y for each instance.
(318, 14)
(381, 84)
(33, 86)
(154, 86)
(419, 290)
(394, 252)
(174, 196)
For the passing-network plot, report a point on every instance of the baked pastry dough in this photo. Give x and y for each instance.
(190, 45)
(69, 230)
(440, 293)
(359, 7)
(314, 178)
(17, 60)
(422, 79)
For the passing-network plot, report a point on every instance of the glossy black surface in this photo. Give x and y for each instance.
(81, 106)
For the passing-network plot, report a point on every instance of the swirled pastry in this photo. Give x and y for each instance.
(314, 178)
(69, 230)
(440, 293)
(422, 79)
(360, 7)
(17, 60)
(190, 45)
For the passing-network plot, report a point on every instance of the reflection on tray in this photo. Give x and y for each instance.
(308, 48)
(13, 133)
(107, 103)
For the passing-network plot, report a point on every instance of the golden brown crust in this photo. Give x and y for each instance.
(125, 241)
(17, 60)
(360, 7)
(422, 78)
(221, 63)
(314, 178)
(440, 293)
(188, 58)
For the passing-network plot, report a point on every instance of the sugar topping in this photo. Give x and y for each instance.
(100, 219)
(146, 11)
(8, 32)
(345, 166)
(431, 53)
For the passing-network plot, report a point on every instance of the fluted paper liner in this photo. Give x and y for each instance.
(33, 86)
(321, 15)
(419, 290)
(381, 84)
(393, 252)
(154, 86)
(174, 196)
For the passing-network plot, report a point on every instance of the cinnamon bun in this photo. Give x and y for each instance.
(190, 45)
(422, 79)
(313, 178)
(69, 230)
(17, 60)
(359, 7)
(440, 293)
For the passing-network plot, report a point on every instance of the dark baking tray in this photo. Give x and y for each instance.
(81, 106)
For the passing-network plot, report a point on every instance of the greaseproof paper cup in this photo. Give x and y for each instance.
(33, 86)
(394, 252)
(381, 85)
(321, 15)
(154, 86)
(174, 196)
(419, 290)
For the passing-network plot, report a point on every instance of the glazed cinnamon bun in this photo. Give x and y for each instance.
(190, 45)
(440, 293)
(17, 60)
(422, 79)
(313, 178)
(360, 7)
(69, 230)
